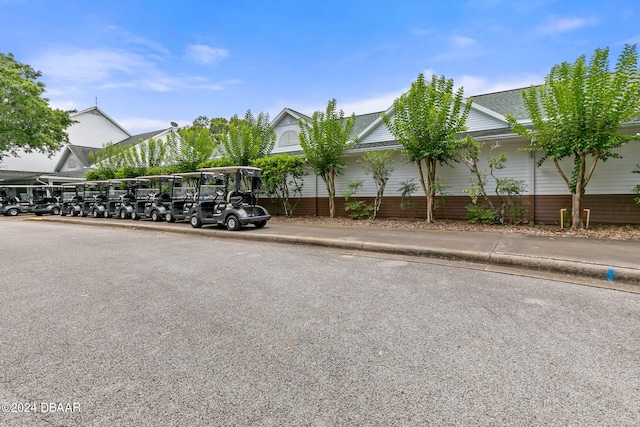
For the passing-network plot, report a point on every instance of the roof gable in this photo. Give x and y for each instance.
(98, 111)
(286, 116)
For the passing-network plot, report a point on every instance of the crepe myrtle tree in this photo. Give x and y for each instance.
(425, 122)
(27, 122)
(577, 113)
(378, 164)
(248, 139)
(324, 142)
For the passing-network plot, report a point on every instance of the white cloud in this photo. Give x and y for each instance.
(203, 54)
(134, 39)
(555, 25)
(420, 31)
(90, 65)
(71, 71)
(478, 85)
(462, 41)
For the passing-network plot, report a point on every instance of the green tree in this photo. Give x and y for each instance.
(26, 120)
(378, 164)
(195, 146)
(106, 161)
(506, 189)
(146, 154)
(577, 113)
(248, 139)
(324, 142)
(425, 122)
(282, 178)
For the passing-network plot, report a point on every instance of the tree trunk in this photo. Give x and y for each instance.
(576, 211)
(431, 195)
(424, 189)
(331, 189)
(576, 196)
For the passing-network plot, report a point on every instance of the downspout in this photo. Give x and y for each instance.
(316, 198)
(533, 191)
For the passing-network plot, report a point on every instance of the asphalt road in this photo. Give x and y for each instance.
(117, 327)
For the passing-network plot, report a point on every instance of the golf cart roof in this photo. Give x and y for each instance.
(228, 169)
(131, 179)
(150, 177)
(188, 174)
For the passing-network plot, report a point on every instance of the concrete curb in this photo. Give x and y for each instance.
(590, 270)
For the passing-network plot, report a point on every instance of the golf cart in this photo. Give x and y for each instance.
(15, 200)
(46, 199)
(72, 199)
(78, 198)
(92, 193)
(102, 200)
(131, 188)
(227, 196)
(158, 197)
(183, 196)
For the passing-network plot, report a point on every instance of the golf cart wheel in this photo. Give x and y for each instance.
(169, 217)
(13, 212)
(155, 216)
(233, 224)
(135, 216)
(195, 221)
(260, 224)
(73, 212)
(106, 214)
(96, 213)
(55, 211)
(123, 214)
(84, 213)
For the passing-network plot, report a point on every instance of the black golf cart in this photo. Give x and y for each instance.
(46, 199)
(131, 188)
(157, 202)
(184, 195)
(15, 200)
(228, 197)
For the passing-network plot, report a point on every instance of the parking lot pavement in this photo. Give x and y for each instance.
(130, 326)
(606, 263)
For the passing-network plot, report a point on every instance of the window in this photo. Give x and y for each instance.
(290, 137)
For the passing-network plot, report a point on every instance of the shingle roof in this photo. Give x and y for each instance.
(506, 102)
(363, 121)
(82, 154)
(12, 174)
(142, 136)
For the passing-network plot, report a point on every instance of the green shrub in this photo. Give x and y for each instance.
(481, 214)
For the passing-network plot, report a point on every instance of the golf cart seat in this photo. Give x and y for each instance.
(234, 198)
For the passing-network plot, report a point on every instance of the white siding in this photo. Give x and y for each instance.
(68, 160)
(378, 134)
(478, 120)
(614, 176)
(93, 130)
(281, 129)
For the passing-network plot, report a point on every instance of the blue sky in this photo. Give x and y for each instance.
(153, 62)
